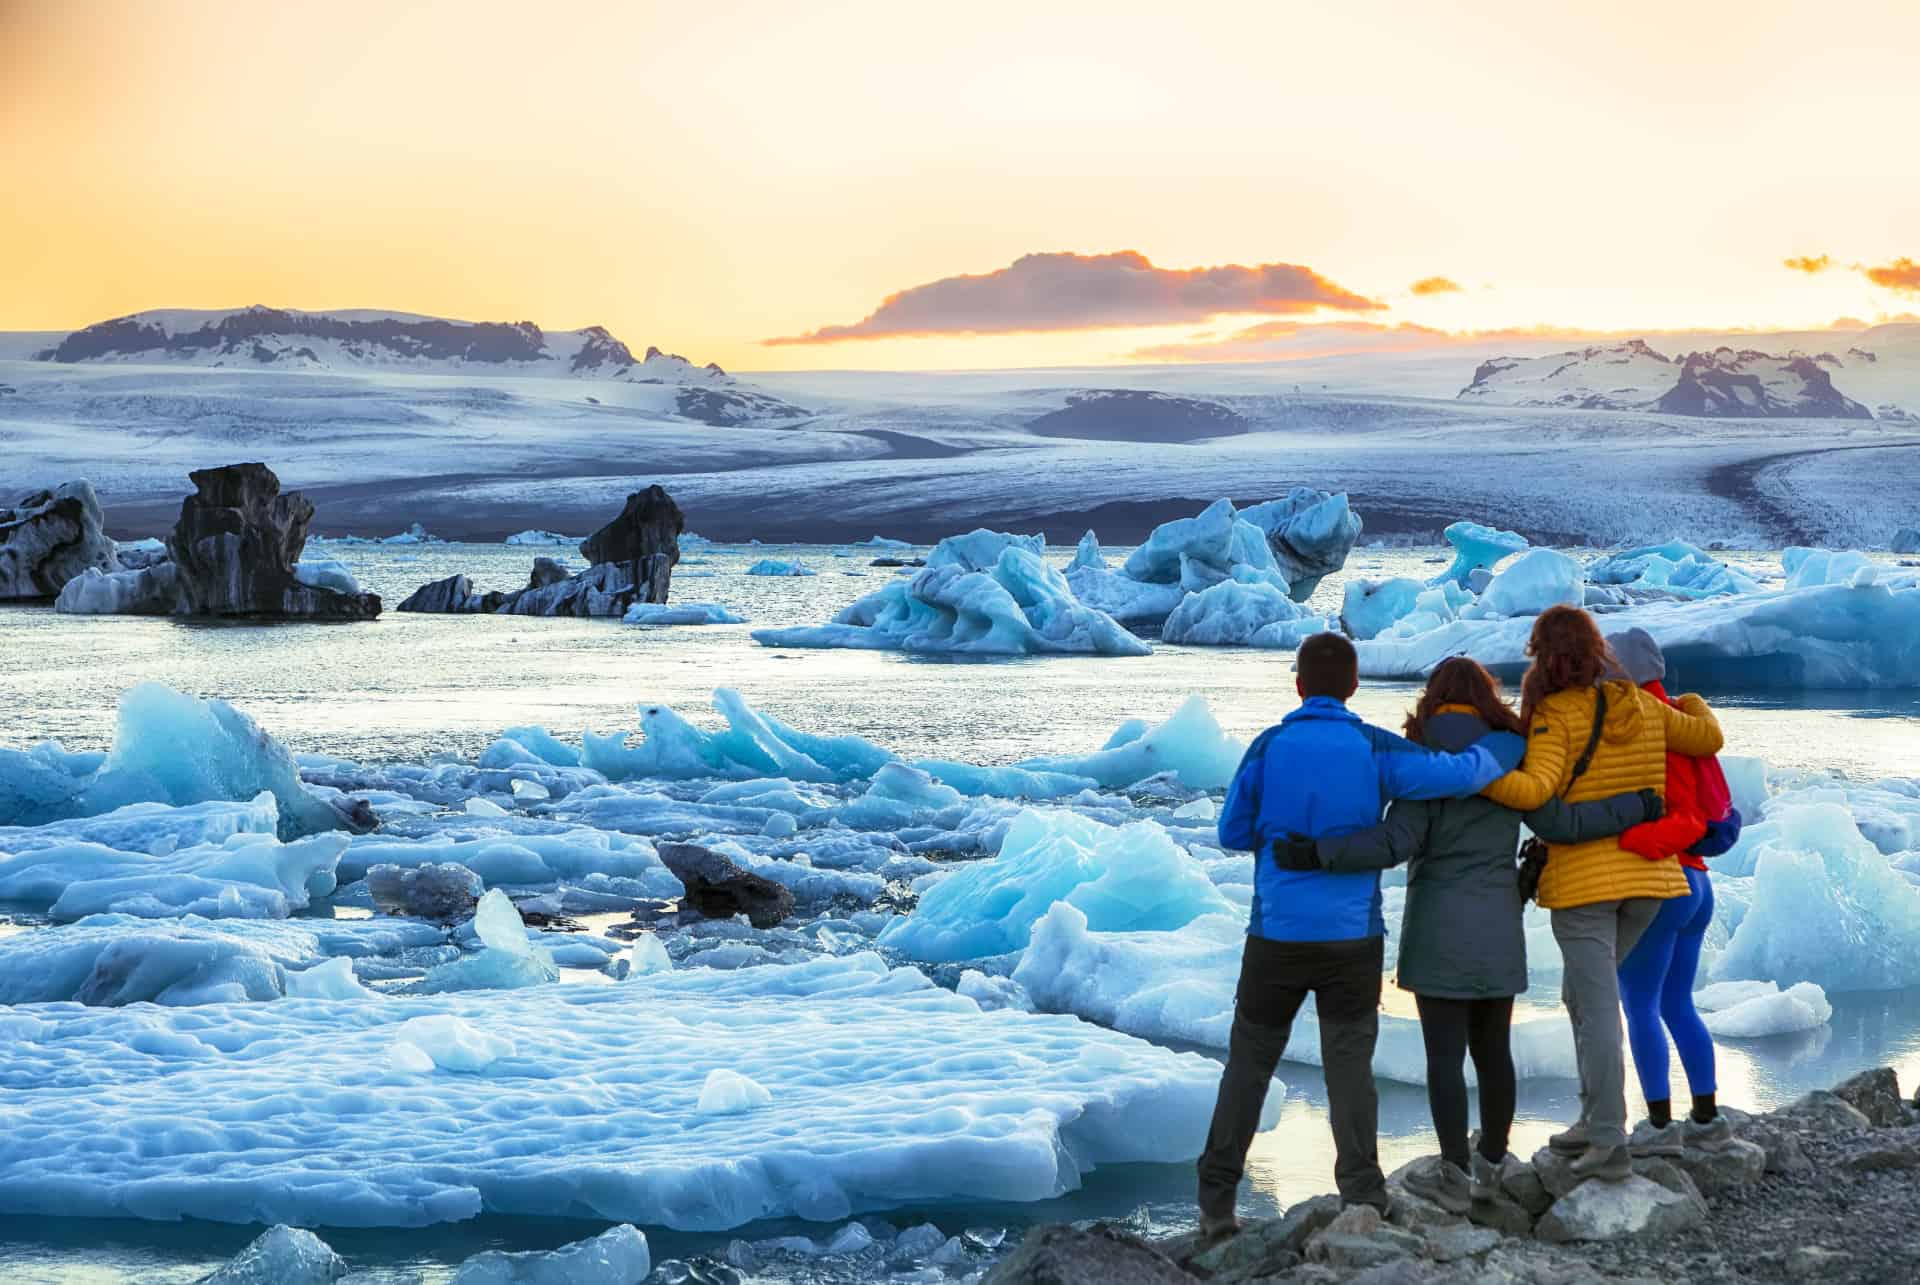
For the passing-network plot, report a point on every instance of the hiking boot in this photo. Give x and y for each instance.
(1571, 1142)
(1213, 1231)
(1650, 1139)
(1486, 1176)
(1715, 1135)
(1608, 1164)
(1444, 1183)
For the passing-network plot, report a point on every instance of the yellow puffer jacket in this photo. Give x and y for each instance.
(1632, 755)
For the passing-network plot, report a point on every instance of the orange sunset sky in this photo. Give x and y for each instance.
(708, 176)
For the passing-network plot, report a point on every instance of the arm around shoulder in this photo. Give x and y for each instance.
(1388, 843)
(1692, 729)
(1538, 778)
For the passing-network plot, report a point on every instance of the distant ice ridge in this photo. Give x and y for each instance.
(540, 538)
(983, 593)
(167, 748)
(1843, 621)
(884, 1089)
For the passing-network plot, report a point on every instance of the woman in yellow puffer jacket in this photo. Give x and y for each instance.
(1601, 895)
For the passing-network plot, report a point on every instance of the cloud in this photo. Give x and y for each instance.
(1902, 275)
(1064, 291)
(1436, 285)
(1809, 264)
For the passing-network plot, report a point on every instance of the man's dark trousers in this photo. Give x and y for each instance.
(1275, 979)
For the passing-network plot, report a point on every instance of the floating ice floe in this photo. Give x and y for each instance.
(982, 593)
(246, 876)
(680, 613)
(1242, 613)
(121, 959)
(506, 960)
(617, 1256)
(543, 538)
(326, 573)
(1807, 568)
(167, 748)
(1754, 1010)
(885, 1088)
(1478, 548)
(775, 567)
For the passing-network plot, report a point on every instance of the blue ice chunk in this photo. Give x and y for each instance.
(1476, 547)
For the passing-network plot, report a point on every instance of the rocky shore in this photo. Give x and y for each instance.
(1822, 1189)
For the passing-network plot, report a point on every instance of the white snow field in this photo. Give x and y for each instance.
(487, 449)
(579, 1101)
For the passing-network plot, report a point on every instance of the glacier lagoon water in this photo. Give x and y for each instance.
(410, 687)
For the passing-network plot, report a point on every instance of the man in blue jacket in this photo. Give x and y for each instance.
(1321, 772)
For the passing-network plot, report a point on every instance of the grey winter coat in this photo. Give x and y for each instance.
(1461, 937)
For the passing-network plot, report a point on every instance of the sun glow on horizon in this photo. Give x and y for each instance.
(708, 179)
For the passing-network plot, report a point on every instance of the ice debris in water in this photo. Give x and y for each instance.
(167, 748)
(1122, 877)
(681, 613)
(984, 593)
(649, 956)
(479, 807)
(886, 1088)
(729, 1093)
(1677, 568)
(281, 1255)
(617, 1256)
(1752, 1010)
(506, 960)
(1477, 547)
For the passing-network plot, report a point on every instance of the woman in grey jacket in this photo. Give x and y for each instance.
(1463, 951)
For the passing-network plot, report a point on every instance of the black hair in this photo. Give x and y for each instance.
(1327, 666)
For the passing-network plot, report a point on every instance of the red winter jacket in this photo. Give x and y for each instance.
(1685, 820)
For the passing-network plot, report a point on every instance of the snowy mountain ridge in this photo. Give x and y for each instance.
(370, 339)
(1724, 381)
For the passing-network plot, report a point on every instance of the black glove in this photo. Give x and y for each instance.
(1653, 805)
(1296, 852)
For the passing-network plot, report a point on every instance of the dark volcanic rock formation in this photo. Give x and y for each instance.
(633, 558)
(645, 539)
(1724, 382)
(50, 537)
(719, 889)
(235, 546)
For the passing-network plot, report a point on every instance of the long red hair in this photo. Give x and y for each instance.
(1568, 652)
(1462, 680)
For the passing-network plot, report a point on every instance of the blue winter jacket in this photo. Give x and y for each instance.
(1321, 772)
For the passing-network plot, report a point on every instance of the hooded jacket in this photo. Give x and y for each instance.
(1323, 771)
(1461, 936)
(1631, 755)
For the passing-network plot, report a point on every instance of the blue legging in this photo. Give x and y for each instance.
(1656, 987)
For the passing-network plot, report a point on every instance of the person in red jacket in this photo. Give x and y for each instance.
(1656, 977)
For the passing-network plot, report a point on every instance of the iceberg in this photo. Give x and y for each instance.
(1190, 745)
(775, 567)
(1241, 613)
(983, 593)
(1310, 534)
(1179, 557)
(1122, 877)
(326, 573)
(680, 613)
(543, 538)
(1677, 568)
(1830, 637)
(1369, 608)
(887, 1089)
(1806, 568)
(151, 590)
(167, 748)
(281, 1255)
(1531, 583)
(1477, 548)
(1826, 907)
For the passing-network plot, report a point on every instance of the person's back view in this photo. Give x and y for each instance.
(1321, 772)
(1602, 895)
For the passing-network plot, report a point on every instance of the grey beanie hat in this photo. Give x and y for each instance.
(1639, 655)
